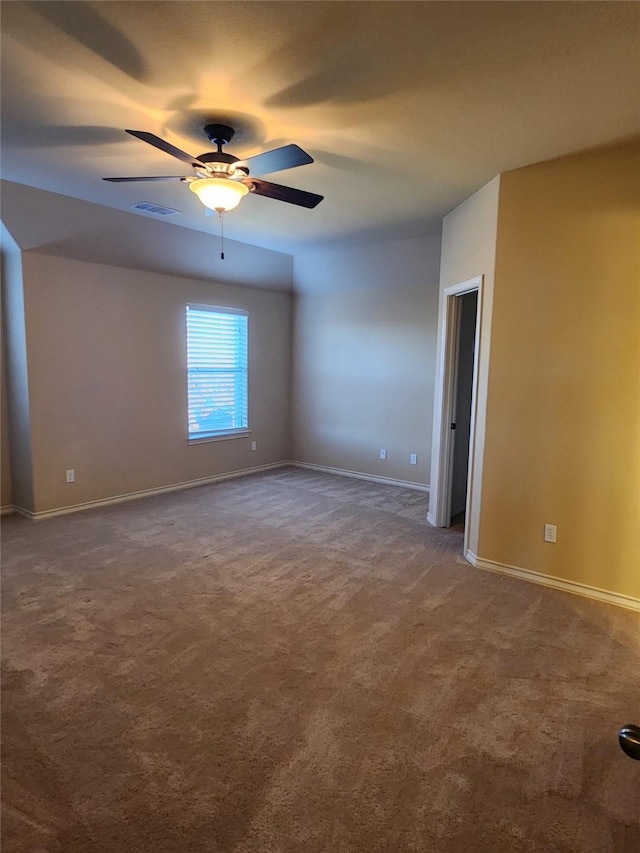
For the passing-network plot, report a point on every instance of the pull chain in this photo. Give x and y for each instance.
(220, 212)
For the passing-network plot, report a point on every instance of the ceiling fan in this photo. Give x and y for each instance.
(222, 180)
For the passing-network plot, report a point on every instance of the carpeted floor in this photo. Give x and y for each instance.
(297, 662)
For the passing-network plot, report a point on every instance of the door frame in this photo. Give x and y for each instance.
(439, 514)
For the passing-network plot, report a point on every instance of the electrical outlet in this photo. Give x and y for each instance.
(383, 453)
(413, 459)
(70, 475)
(550, 533)
(254, 445)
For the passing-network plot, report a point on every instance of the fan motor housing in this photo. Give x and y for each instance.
(217, 157)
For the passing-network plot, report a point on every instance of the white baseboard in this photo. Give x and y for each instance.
(513, 571)
(204, 481)
(431, 519)
(556, 583)
(146, 493)
(359, 475)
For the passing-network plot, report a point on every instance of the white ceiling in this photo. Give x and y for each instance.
(407, 107)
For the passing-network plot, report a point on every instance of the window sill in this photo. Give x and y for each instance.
(222, 437)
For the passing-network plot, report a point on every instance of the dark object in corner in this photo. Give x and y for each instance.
(629, 738)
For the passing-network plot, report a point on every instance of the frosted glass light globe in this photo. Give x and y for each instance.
(219, 194)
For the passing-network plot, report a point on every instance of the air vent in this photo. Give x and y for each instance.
(156, 209)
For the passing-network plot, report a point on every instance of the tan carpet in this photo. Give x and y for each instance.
(298, 662)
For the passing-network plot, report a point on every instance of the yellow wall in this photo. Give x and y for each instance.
(563, 408)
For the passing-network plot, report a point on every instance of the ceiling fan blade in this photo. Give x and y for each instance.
(154, 140)
(153, 178)
(288, 194)
(278, 159)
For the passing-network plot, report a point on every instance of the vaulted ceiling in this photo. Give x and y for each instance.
(406, 107)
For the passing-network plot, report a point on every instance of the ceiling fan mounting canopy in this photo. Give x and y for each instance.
(219, 134)
(222, 179)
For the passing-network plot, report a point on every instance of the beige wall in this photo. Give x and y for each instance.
(469, 238)
(469, 251)
(6, 492)
(16, 429)
(563, 418)
(107, 369)
(364, 353)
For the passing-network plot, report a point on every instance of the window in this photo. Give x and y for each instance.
(217, 350)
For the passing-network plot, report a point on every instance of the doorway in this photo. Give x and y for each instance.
(454, 496)
(466, 315)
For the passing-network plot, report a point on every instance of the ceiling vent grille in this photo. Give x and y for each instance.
(156, 209)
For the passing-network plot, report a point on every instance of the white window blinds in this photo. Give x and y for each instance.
(217, 361)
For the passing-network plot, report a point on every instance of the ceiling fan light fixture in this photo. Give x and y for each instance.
(219, 194)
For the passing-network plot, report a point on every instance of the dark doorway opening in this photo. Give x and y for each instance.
(463, 393)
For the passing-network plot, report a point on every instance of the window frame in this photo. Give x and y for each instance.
(222, 434)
